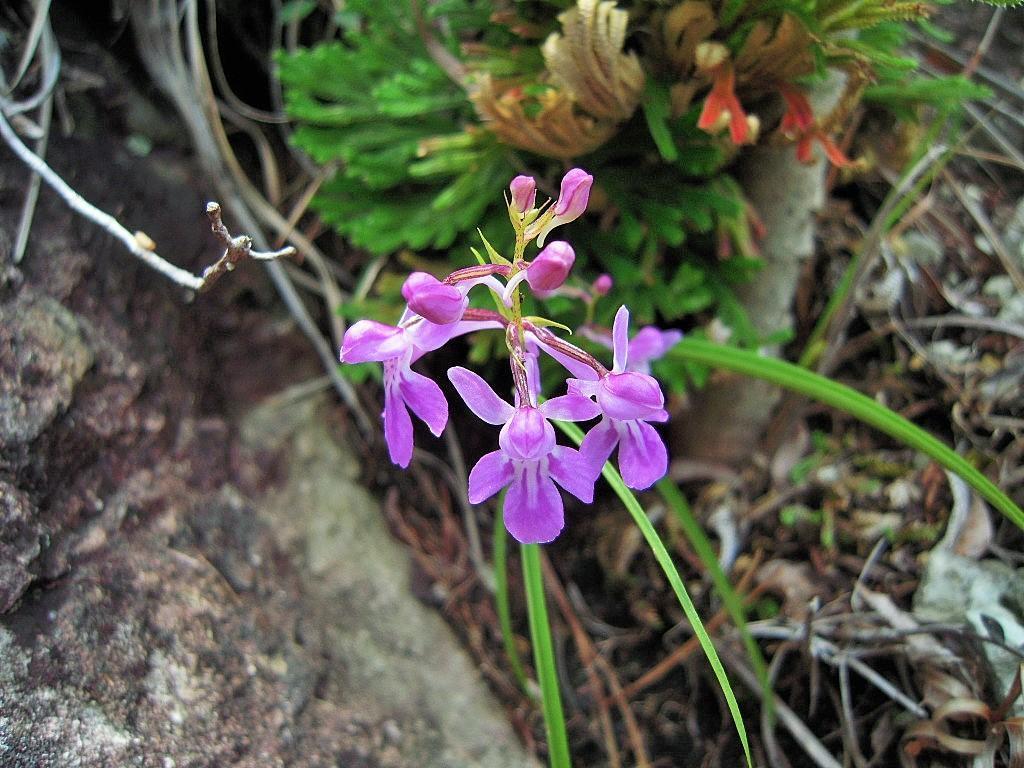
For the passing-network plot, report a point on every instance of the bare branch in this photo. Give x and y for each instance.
(236, 249)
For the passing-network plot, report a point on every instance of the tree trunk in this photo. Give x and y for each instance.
(727, 418)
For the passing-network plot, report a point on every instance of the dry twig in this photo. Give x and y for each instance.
(139, 244)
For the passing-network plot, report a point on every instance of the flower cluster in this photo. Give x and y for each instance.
(528, 461)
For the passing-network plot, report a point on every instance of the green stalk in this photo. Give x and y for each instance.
(668, 567)
(544, 658)
(843, 398)
(500, 554)
(730, 600)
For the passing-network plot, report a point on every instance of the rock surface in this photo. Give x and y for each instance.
(171, 593)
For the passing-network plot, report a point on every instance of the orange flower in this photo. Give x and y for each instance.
(721, 106)
(800, 125)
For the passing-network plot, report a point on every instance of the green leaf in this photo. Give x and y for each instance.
(657, 110)
(732, 602)
(501, 600)
(544, 658)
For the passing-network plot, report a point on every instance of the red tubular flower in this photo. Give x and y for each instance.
(721, 104)
(800, 125)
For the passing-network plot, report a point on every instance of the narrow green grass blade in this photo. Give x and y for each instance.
(544, 658)
(843, 398)
(732, 602)
(500, 555)
(665, 561)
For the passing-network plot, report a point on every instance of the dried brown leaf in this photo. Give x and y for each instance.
(586, 60)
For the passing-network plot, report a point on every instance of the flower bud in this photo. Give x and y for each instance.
(602, 285)
(573, 195)
(433, 300)
(572, 202)
(524, 193)
(551, 267)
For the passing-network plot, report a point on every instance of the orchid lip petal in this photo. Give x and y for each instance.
(643, 459)
(397, 428)
(478, 395)
(534, 513)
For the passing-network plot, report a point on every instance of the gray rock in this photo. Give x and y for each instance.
(43, 356)
(398, 662)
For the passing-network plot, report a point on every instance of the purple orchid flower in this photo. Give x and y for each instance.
(398, 347)
(649, 344)
(528, 459)
(629, 400)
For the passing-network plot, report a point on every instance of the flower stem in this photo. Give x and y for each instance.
(500, 555)
(544, 658)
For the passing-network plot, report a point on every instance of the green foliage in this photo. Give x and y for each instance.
(377, 103)
(898, 86)
(544, 658)
(416, 168)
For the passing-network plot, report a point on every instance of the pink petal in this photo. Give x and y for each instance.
(425, 399)
(620, 339)
(428, 336)
(570, 408)
(570, 471)
(533, 507)
(492, 473)
(397, 429)
(368, 340)
(528, 435)
(597, 446)
(650, 343)
(629, 395)
(433, 300)
(578, 369)
(524, 193)
(479, 396)
(643, 459)
(573, 194)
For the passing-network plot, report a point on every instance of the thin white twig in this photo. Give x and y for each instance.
(138, 244)
(83, 207)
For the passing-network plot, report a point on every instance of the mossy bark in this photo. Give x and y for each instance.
(727, 419)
